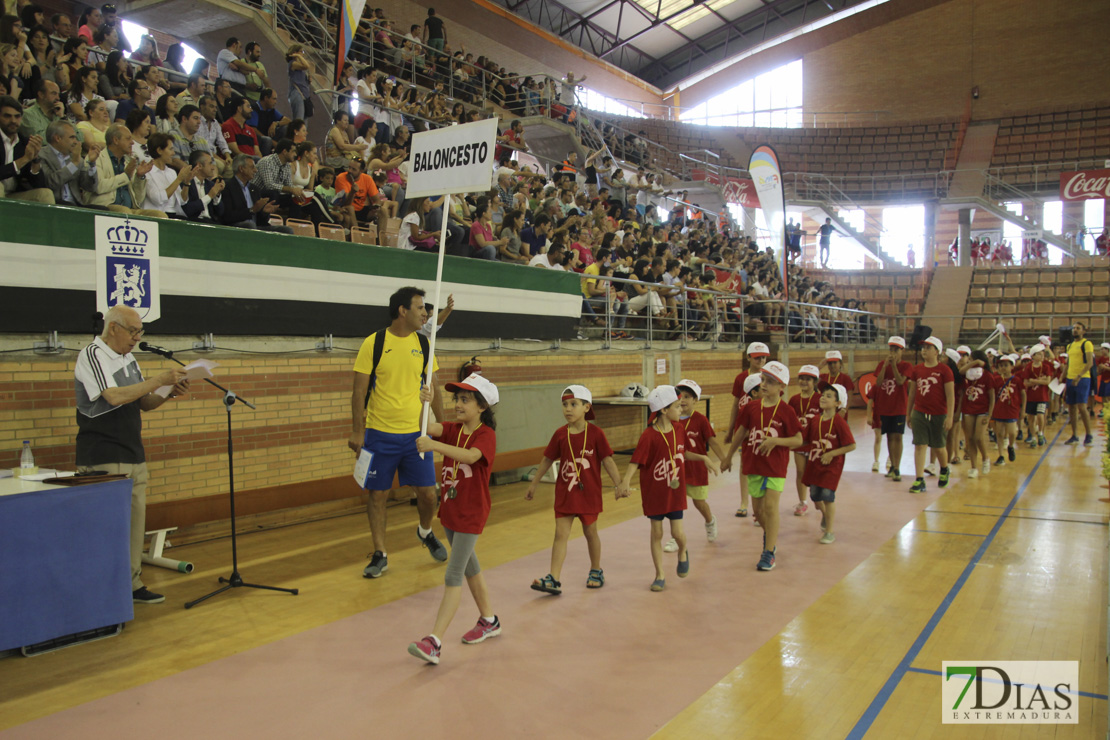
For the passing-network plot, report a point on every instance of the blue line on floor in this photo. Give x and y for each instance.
(1087, 694)
(872, 712)
(937, 531)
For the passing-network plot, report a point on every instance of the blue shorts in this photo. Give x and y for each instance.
(396, 453)
(1104, 389)
(672, 515)
(1077, 391)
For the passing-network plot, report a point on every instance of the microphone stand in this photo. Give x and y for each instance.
(234, 580)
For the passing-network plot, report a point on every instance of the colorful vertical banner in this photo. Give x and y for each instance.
(767, 176)
(351, 12)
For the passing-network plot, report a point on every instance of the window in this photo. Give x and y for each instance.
(904, 227)
(134, 34)
(1094, 215)
(1054, 216)
(773, 99)
(593, 100)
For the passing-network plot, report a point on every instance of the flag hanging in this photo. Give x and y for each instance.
(349, 16)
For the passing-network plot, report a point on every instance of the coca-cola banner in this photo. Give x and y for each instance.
(741, 191)
(1085, 184)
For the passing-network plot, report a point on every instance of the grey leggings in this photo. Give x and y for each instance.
(463, 561)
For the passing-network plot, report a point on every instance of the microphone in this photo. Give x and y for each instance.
(147, 347)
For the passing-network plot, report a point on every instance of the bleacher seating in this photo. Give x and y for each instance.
(1049, 137)
(888, 293)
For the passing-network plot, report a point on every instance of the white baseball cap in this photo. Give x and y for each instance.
(963, 349)
(1012, 359)
(1105, 345)
(778, 371)
(811, 371)
(582, 393)
(690, 386)
(992, 352)
(974, 373)
(476, 383)
(897, 341)
(661, 397)
(952, 354)
(758, 349)
(751, 382)
(1026, 356)
(1037, 348)
(935, 342)
(1045, 340)
(841, 394)
(833, 354)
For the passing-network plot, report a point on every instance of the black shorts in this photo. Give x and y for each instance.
(892, 424)
(1035, 408)
(672, 515)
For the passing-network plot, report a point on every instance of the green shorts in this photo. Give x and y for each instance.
(928, 430)
(759, 484)
(698, 493)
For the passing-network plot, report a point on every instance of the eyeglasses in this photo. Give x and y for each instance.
(135, 333)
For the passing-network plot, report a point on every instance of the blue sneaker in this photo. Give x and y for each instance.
(1072, 441)
(766, 560)
(1088, 441)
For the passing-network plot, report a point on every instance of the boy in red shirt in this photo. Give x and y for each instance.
(1035, 378)
(700, 438)
(468, 446)
(828, 439)
(890, 402)
(977, 407)
(768, 431)
(933, 397)
(758, 354)
(806, 405)
(1102, 362)
(834, 362)
(1009, 401)
(582, 450)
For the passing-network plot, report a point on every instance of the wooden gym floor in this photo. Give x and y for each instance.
(838, 641)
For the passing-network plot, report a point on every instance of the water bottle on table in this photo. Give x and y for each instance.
(27, 460)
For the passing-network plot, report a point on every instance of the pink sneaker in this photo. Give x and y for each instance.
(800, 509)
(482, 631)
(425, 650)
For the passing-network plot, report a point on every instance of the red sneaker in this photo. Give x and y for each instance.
(482, 631)
(425, 649)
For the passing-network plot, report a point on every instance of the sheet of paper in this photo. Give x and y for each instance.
(362, 467)
(195, 370)
(1056, 386)
(40, 476)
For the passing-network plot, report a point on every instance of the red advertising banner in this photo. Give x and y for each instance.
(742, 192)
(1084, 184)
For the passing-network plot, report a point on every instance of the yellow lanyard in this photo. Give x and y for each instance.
(820, 434)
(573, 459)
(455, 470)
(772, 419)
(672, 446)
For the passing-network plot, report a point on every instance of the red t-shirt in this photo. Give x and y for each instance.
(242, 136)
(1103, 365)
(890, 398)
(742, 398)
(842, 378)
(1007, 404)
(698, 433)
(805, 408)
(930, 398)
(586, 449)
(977, 394)
(762, 421)
(662, 457)
(822, 436)
(468, 511)
(1036, 393)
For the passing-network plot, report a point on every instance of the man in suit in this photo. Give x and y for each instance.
(204, 195)
(243, 204)
(67, 172)
(120, 178)
(21, 175)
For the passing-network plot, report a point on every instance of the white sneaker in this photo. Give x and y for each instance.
(875, 467)
(671, 546)
(973, 473)
(986, 466)
(932, 468)
(711, 530)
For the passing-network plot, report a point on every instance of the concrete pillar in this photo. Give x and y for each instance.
(927, 251)
(965, 237)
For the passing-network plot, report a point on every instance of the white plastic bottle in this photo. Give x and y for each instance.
(27, 460)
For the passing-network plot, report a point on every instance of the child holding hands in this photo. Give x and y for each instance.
(828, 439)
(582, 450)
(700, 438)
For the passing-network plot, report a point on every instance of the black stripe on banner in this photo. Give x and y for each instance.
(73, 312)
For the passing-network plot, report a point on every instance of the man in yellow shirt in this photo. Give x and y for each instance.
(1081, 356)
(385, 419)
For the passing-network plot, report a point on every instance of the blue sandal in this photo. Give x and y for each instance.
(548, 585)
(596, 578)
(684, 566)
(658, 584)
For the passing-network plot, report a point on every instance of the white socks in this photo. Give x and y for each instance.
(422, 532)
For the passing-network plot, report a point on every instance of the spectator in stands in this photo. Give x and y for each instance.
(256, 81)
(338, 149)
(148, 52)
(90, 20)
(10, 64)
(164, 191)
(96, 123)
(513, 250)
(235, 70)
(165, 115)
(211, 131)
(139, 92)
(240, 137)
(1102, 243)
(175, 58)
(43, 57)
(105, 41)
(21, 175)
(482, 244)
(243, 205)
(361, 193)
(435, 34)
(193, 91)
(568, 95)
(62, 27)
(67, 172)
(266, 120)
(120, 177)
(109, 17)
(141, 127)
(274, 177)
(300, 91)
(202, 194)
(116, 77)
(186, 137)
(225, 100)
(83, 90)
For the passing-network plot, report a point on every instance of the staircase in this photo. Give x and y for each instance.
(945, 302)
(975, 158)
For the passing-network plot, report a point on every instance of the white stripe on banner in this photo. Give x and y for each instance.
(63, 268)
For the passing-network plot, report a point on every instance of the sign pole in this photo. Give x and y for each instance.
(435, 323)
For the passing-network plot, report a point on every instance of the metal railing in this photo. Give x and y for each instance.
(1043, 322)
